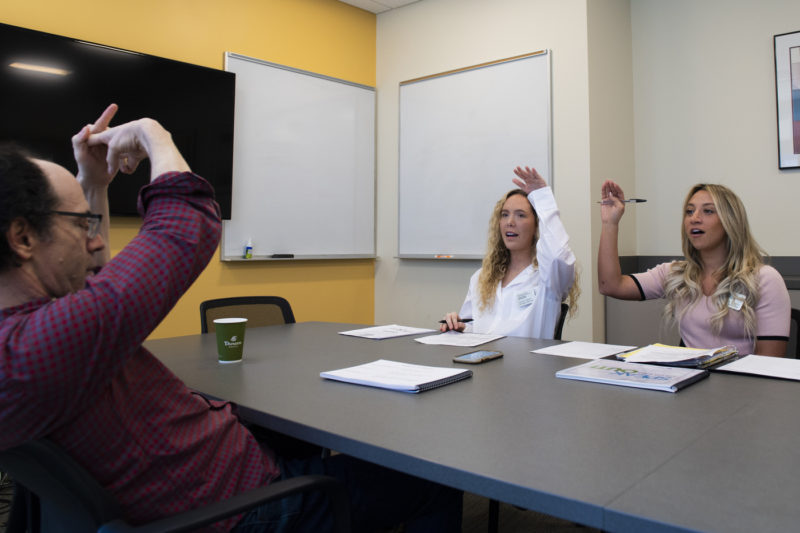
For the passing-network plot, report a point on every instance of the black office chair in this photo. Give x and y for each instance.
(71, 499)
(561, 319)
(494, 505)
(793, 347)
(258, 310)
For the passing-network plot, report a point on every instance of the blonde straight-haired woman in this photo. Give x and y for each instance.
(529, 268)
(721, 293)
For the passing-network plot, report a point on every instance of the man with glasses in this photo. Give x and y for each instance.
(72, 367)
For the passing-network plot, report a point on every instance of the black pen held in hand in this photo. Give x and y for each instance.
(462, 320)
(628, 201)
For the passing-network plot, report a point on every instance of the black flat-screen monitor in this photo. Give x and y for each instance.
(73, 81)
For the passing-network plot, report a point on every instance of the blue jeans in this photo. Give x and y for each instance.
(379, 498)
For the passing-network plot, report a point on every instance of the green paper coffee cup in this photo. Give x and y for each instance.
(230, 338)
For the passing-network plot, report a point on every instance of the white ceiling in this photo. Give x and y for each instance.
(378, 6)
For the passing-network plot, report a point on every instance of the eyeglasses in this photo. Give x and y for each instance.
(92, 219)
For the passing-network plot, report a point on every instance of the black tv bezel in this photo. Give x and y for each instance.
(176, 93)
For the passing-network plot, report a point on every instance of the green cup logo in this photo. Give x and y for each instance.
(230, 338)
(233, 342)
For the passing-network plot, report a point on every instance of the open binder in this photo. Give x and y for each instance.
(662, 354)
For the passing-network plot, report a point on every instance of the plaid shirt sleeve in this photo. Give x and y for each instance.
(57, 355)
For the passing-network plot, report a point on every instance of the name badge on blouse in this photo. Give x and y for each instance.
(524, 299)
(736, 300)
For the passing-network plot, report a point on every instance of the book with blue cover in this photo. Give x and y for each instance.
(663, 378)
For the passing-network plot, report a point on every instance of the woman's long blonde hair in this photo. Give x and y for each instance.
(495, 262)
(739, 274)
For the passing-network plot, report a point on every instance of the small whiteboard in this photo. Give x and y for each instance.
(461, 135)
(303, 164)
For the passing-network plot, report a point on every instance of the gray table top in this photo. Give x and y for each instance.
(721, 455)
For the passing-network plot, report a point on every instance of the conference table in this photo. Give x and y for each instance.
(720, 455)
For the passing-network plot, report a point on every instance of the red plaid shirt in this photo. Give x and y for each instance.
(73, 369)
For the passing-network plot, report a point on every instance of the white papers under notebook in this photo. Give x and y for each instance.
(384, 332)
(393, 375)
(454, 338)
(583, 350)
(762, 365)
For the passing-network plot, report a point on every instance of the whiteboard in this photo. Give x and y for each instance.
(303, 164)
(462, 133)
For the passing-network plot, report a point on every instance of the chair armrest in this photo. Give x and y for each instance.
(195, 518)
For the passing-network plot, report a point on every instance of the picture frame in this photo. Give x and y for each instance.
(787, 90)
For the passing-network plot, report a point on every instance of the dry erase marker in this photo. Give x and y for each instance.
(628, 201)
(462, 320)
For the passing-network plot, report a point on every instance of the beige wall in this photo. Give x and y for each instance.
(704, 102)
(322, 36)
(611, 128)
(657, 95)
(437, 35)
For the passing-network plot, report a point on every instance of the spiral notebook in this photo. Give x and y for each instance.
(394, 375)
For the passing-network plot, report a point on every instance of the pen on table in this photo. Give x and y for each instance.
(462, 320)
(628, 201)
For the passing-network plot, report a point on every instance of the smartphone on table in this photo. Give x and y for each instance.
(477, 357)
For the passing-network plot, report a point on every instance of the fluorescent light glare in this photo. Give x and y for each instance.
(40, 68)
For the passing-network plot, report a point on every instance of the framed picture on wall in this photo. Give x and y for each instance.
(787, 88)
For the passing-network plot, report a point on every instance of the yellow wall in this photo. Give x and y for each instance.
(324, 36)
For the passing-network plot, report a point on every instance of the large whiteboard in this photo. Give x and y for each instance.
(462, 133)
(303, 164)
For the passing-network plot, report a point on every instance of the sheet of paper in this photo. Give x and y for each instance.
(762, 365)
(454, 338)
(583, 350)
(384, 332)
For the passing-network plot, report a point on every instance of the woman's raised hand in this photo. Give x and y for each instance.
(529, 180)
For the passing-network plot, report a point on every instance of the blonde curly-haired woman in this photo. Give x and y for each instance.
(529, 268)
(721, 293)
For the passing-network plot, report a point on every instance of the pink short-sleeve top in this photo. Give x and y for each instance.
(772, 311)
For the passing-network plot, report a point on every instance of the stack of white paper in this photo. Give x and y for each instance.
(393, 375)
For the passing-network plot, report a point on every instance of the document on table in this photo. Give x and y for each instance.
(454, 338)
(393, 375)
(583, 350)
(762, 365)
(662, 354)
(384, 332)
(662, 378)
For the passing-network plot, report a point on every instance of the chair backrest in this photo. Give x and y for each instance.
(793, 347)
(560, 324)
(72, 500)
(64, 488)
(258, 310)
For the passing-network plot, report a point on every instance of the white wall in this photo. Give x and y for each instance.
(433, 36)
(699, 76)
(611, 128)
(704, 107)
